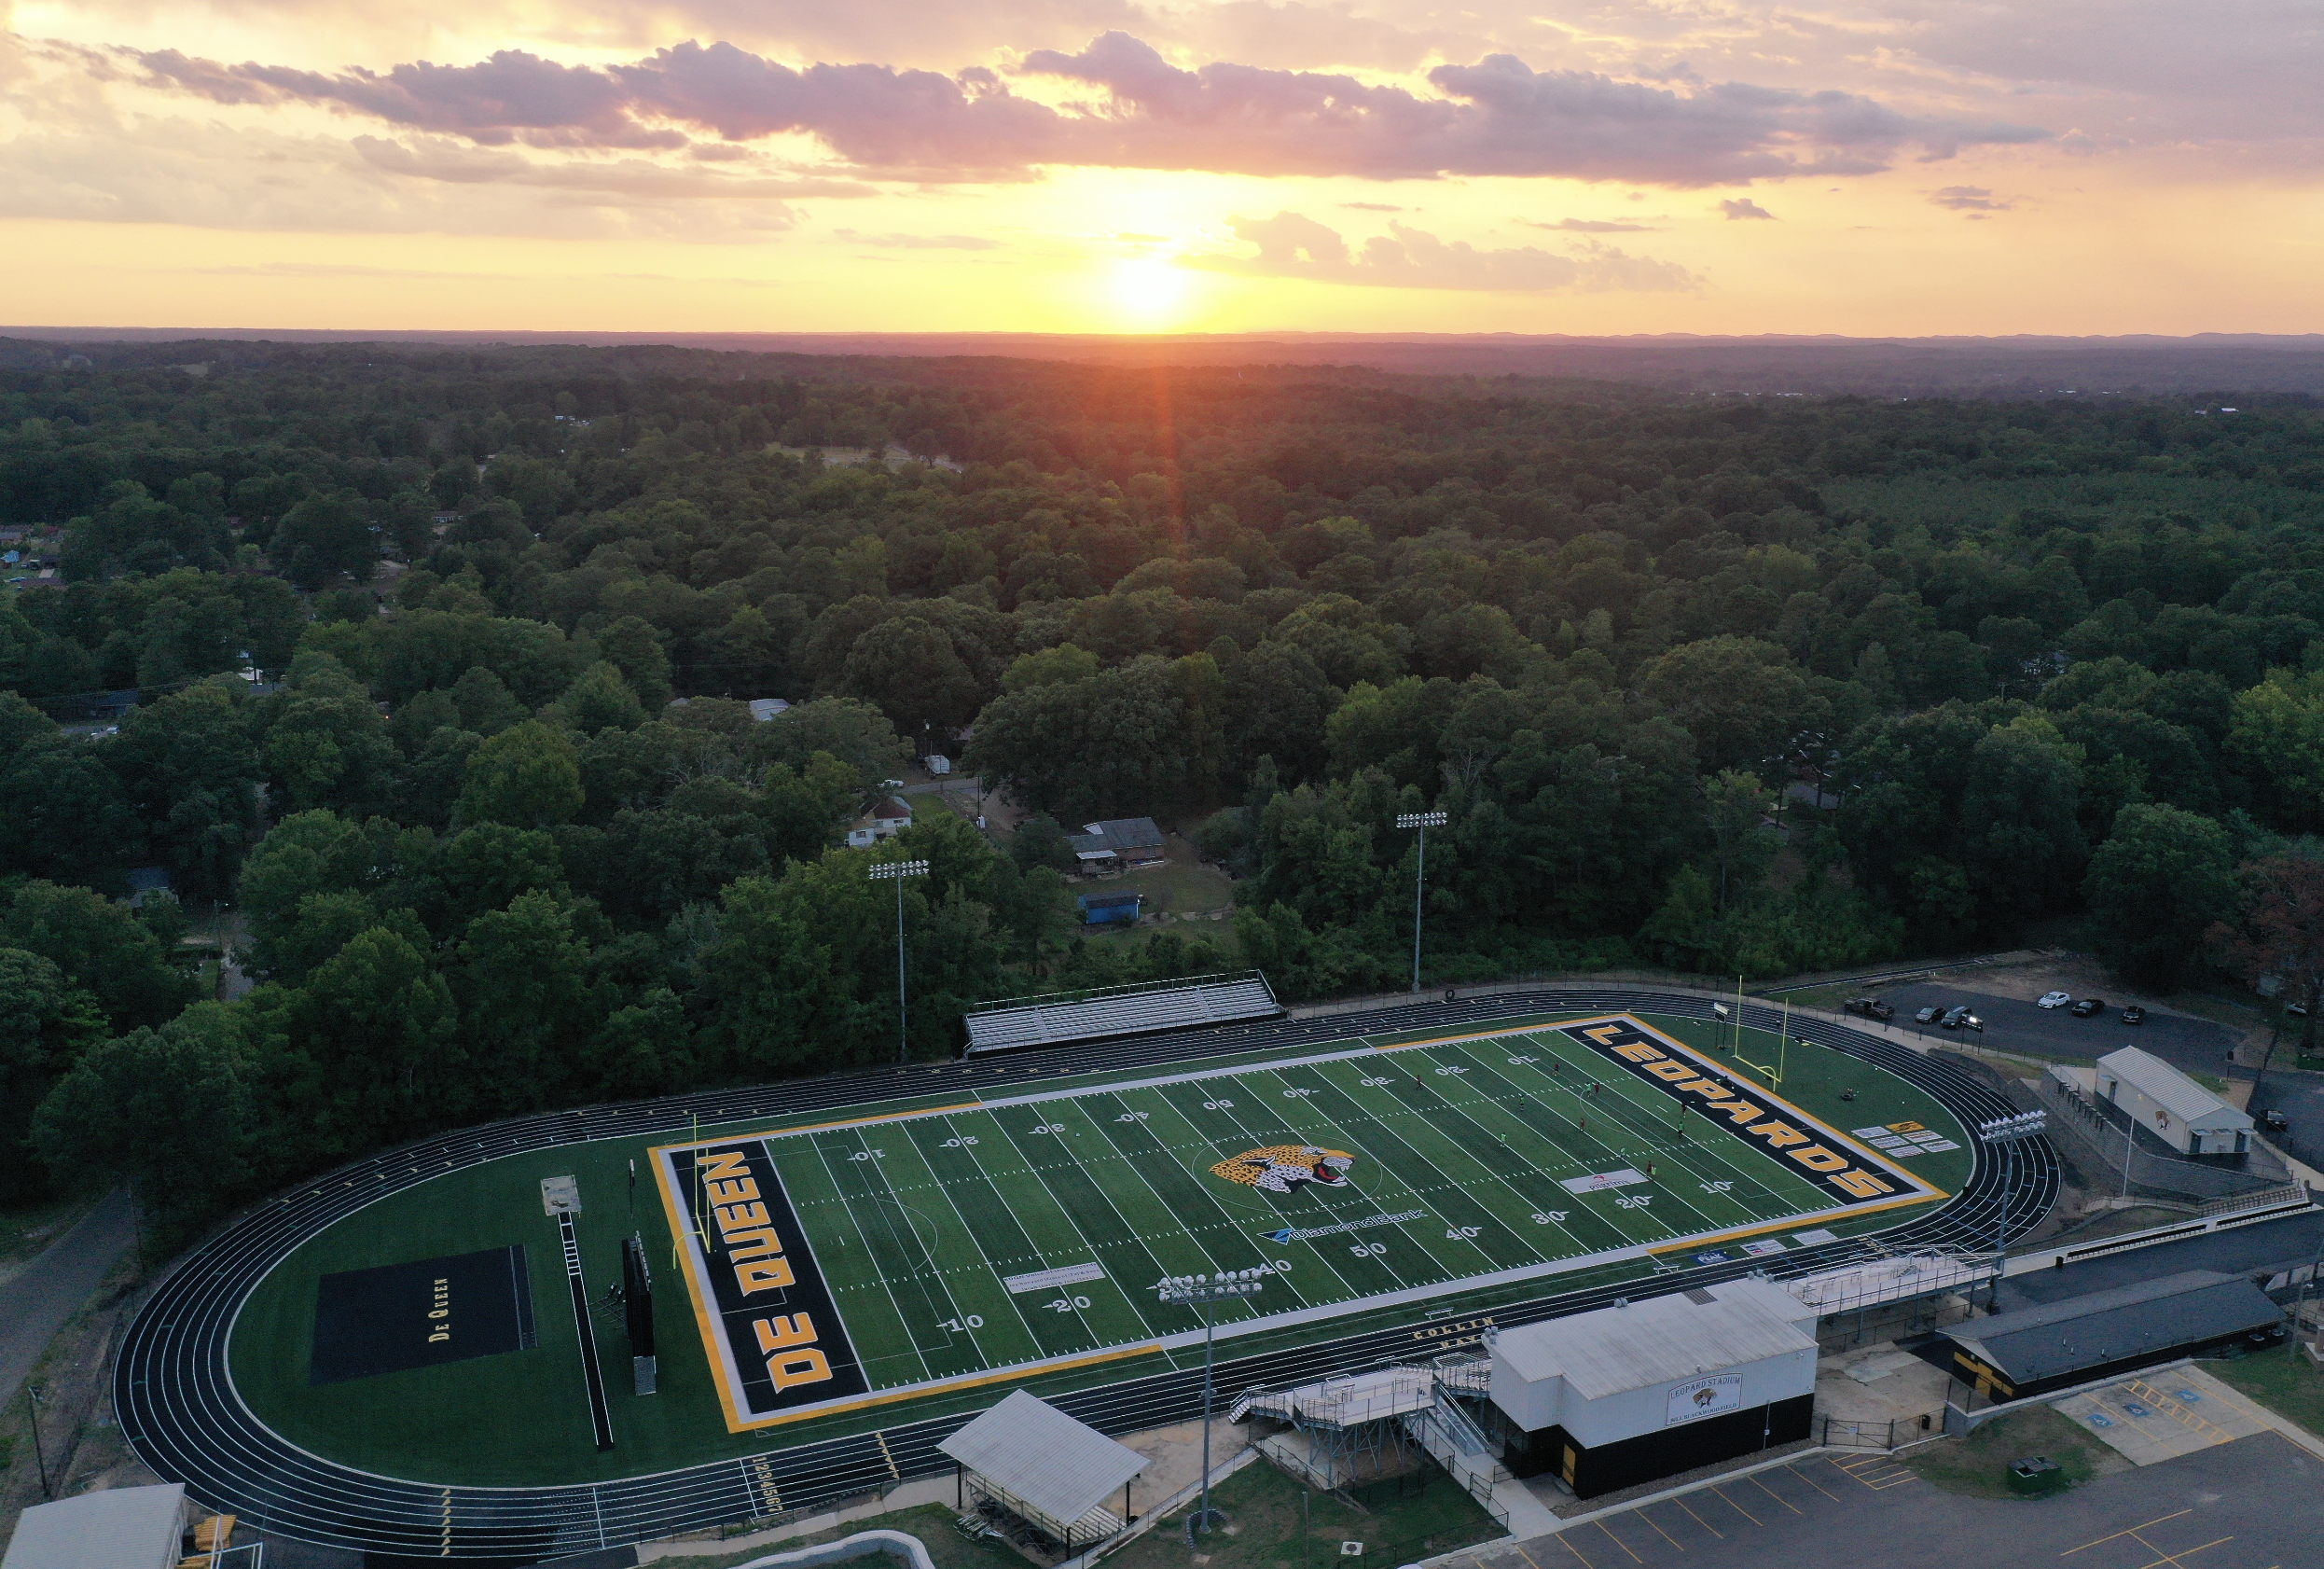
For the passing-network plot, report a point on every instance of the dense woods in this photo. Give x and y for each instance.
(1736, 685)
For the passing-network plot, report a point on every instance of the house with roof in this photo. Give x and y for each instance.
(885, 820)
(1129, 841)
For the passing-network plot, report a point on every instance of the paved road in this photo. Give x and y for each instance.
(34, 1305)
(2301, 1098)
(2190, 1045)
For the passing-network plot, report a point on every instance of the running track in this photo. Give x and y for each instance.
(178, 1406)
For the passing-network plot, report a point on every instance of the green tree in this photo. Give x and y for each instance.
(169, 1110)
(2163, 878)
(1735, 805)
(600, 698)
(1113, 745)
(324, 535)
(1048, 666)
(45, 1024)
(191, 768)
(102, 947)
(1740, 697)
(908, 669)
(528, 776)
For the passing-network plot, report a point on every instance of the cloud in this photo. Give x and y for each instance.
(920, 241)
(1970, 199)
(1294, 245)
(1744, 207)
(1370, 207)
(1498, 117)
(1590, 226)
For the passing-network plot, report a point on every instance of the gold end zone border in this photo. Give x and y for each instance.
(697, 1292)
(1924, 1191)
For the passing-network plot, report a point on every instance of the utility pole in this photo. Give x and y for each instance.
(34, 1392)
(1998, 1133)
(1423, 821)
(896, 871)
(1203, 1290)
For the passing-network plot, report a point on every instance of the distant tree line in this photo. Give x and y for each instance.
(1725, 685)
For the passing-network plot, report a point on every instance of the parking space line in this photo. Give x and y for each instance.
(1658, 1530)
(1700, 1521)
(1777, 1497)
(1617, 1541)
(1576, 1551)
(1813, 1482)
(2126, 1530)
(1738, 1508)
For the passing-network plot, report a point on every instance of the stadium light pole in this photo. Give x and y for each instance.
(895, 872)
(1203, 1290)
(1423, 821)
(1996, 1133)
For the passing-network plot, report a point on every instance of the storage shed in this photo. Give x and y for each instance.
(1641, 1390)
(1098, 910)
(1132, 841)
(2173, 1108)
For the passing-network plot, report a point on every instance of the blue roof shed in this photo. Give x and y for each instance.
(1099, 908)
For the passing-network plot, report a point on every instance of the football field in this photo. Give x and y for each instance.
(884, 1258)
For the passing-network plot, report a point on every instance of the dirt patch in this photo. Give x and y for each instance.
(79, 1439)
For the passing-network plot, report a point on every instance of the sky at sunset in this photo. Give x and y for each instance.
(1896, 166)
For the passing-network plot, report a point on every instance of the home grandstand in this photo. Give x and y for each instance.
(192, 1407)
(1114, 1012)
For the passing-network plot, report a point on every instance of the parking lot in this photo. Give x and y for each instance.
(2256, 1503)
(2190, 1045)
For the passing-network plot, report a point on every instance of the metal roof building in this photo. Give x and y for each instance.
(1633, 1392)
(1049, 1467)
(2178, 1110)
(2033, 1351)
(1118, 838)
(1110, 1012)
(115, 1528)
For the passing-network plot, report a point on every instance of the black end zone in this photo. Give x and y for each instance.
(419, 1314)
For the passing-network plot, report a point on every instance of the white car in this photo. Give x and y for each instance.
(2054, 999)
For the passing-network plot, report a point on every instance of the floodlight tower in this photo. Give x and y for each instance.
(896, 871)
(1423, 821)
(1203, 1290)
(1998, 1132)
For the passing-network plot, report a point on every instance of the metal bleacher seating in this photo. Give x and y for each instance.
(1114, 1011)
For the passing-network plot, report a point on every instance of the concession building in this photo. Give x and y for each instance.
(1641, 1390)
(2035, 1350)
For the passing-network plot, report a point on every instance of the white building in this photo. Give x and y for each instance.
(2178, 1110)
(887, 819)
(1627, 1394)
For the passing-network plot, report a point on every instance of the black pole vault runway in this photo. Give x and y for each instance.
(178, 1406)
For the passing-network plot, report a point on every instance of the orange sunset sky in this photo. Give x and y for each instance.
(1916, 166)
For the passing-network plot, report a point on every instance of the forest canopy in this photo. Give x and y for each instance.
(442, 660)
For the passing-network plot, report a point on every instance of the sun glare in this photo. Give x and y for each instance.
(1148, 289)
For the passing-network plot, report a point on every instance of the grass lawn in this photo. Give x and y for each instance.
(927, 1227)
(1978, 1466)
(1273, 1523)
(25, 1229)
(947, 1544)
(2288, 1385)
(1171, 888)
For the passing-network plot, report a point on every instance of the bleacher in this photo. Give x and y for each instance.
(1111, 1012)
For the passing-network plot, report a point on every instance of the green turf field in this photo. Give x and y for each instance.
(916, 1219)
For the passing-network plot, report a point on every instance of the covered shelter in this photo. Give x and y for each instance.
(1026, 1459)
(2167, 1103)
(1641, 1390)
(2057, 1345)
(1098, 910)
(115, 1528)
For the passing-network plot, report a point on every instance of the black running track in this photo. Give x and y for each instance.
(178, 1406)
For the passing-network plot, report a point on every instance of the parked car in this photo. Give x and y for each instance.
(2054, 999)
(1954, 1016)
(2134, 1014)
(1927, 1016)
(2297, 1010)
(1871, 1007)
(2089, 1006)
(2273, 1122)
(1970, 1022)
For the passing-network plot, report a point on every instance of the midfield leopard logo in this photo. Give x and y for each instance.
(1280, 1168)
